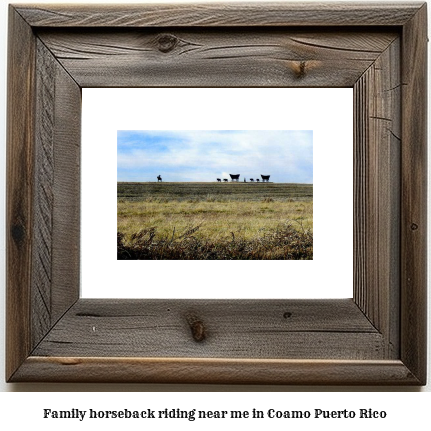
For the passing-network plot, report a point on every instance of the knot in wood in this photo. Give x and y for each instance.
(197, 328)
(414, 226)
(18, 233)
(167, 42)
(300, 69)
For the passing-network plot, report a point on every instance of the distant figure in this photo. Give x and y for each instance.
(219, 180)
(159, 178)
(257, 179)
(251, 179)
(224, 179)
(245, 180)
(265, 178)
(234, 177)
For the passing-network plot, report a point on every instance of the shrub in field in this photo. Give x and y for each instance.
(285, 242)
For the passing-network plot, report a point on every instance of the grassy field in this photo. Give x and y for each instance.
(214, 221)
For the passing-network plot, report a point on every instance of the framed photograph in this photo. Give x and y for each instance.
(58, 52)
(241, 232)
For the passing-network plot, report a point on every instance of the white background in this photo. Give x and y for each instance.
(328, 112)
(408, 410)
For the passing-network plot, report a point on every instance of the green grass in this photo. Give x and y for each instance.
(214, 221)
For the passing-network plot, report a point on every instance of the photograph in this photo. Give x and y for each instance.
(215, 194)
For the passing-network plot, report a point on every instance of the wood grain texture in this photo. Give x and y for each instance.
(377, 101)
(414, 195)
(43, 193)
(216, 14)
(216, 58)
(55, 268)
(19, 201)
(216, 371)
(67, 199)
(235, 329)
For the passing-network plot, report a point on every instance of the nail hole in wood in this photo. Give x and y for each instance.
(287, 314)
(414, 226)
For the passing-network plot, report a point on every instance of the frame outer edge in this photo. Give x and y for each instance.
(19, 194)
(20, 159)
(414, 196)
(215, 371)
(214, 14)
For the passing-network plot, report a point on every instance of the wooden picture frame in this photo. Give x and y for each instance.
(378, 337)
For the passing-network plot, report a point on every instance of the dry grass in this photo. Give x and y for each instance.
(257, 221)
(285, 242)
(216, 220)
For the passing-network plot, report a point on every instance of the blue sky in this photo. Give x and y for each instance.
(205, 155)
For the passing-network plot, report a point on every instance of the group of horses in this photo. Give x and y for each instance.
(235, 177)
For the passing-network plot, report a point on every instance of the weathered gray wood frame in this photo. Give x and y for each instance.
(378, 337)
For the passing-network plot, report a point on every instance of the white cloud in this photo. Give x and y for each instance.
(285, 154)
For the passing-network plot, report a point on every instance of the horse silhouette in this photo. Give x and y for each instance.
(219, 180)
(159, 178)
(235, 177)
(251, 179)
(265, 177)
(224, 179)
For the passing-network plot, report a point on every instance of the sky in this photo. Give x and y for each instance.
(205, 155)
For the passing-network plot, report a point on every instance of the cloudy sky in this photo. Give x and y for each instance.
(204, 155)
